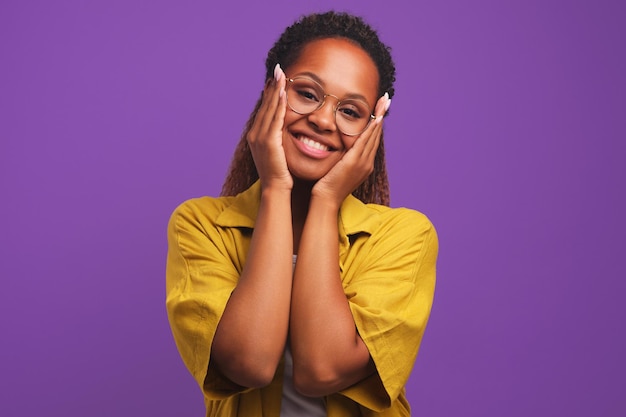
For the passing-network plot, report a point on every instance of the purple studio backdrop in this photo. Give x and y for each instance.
(507, 130)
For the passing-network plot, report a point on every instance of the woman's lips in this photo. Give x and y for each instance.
(311, 147)
(312, 144)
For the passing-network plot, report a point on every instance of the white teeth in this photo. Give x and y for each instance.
(312, 144)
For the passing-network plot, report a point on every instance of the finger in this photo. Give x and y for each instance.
(368, 142)
(271, 100)
(382, 105)
(379, 111)
(281, 103)
(360, 144)
(372, 145)
(259, 118)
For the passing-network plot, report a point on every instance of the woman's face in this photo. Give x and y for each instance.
(312, 142)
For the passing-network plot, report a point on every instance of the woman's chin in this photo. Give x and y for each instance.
(306, 177)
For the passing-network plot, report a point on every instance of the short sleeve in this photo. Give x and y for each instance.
(201, 274)
(389, 280)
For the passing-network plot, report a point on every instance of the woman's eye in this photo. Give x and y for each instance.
(350, 112)
(308, 95)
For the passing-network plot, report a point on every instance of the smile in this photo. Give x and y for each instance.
(313, 144)
(310, 147)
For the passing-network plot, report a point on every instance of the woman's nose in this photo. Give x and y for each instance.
(324, 117)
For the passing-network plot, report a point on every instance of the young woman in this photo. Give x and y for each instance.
(298, 292)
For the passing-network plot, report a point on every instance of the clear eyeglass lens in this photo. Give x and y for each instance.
(304, 96)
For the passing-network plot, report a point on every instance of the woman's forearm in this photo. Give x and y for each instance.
(251, 335)
(328, 353)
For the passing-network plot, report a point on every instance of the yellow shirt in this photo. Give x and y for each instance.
(387, 259)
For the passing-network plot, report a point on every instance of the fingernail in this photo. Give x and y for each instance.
(386, 101)
(277, 72)
(387, 105)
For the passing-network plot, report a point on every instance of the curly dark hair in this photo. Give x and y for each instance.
(375, 189)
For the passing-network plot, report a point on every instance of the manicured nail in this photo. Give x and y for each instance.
(277, 72)
(386, 102)
(387, 105)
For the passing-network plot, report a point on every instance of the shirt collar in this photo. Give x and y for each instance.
(243, 210)
(354, 216)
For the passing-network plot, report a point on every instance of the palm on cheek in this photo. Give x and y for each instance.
(357, 163)
(265, 136)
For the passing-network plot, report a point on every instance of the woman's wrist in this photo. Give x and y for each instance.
(274, 191)
(324, 201)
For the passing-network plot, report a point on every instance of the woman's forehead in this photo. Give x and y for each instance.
(340, 66)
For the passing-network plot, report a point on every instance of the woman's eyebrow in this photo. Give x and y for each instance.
(314, 77)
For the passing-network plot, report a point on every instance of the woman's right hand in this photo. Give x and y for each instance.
(265, 138)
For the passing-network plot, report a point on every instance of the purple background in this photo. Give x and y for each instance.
(507, 130)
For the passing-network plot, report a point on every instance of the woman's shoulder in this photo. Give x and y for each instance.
(204, 204)
(224, 211)
(398, 212)
(400, 217)
(200, 210)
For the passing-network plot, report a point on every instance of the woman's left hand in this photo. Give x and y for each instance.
(357, 163)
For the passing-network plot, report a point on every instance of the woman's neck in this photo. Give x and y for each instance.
(300, 199)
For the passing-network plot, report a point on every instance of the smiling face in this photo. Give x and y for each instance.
(312, 142)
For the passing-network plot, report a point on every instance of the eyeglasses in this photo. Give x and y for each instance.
(304, 96)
